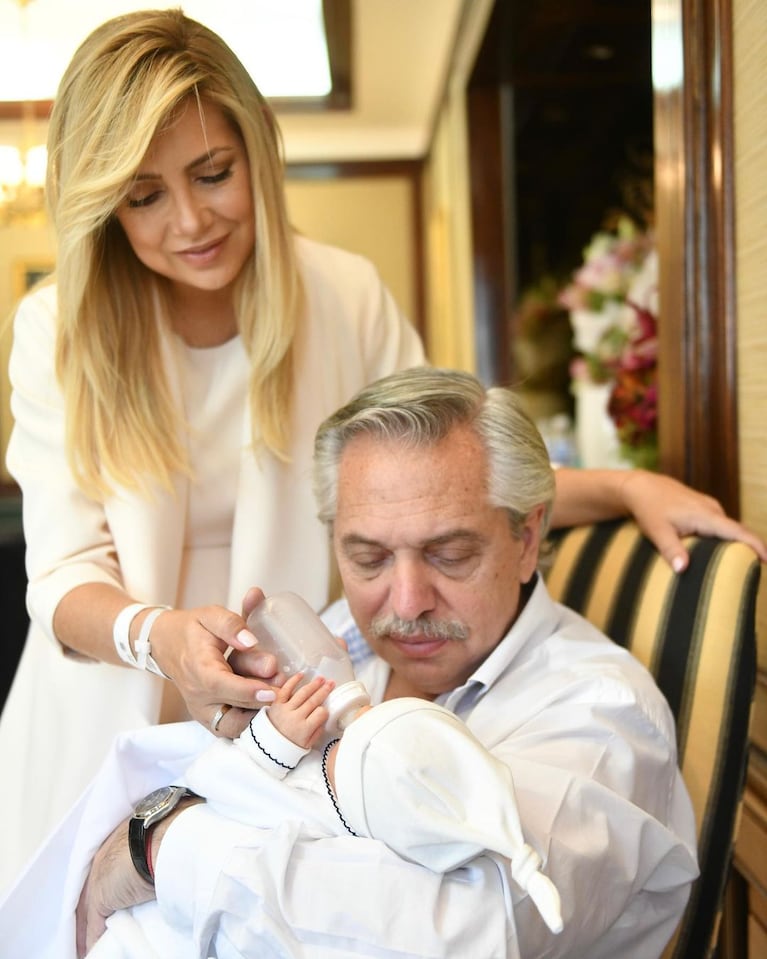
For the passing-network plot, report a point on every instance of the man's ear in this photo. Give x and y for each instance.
(531, 543)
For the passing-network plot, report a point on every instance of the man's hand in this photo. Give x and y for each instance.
(112, 884)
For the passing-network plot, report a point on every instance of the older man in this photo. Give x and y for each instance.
(437, 494)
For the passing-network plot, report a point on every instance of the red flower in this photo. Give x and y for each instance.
(633, 403)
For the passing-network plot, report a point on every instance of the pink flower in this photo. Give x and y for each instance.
(606, 275)
(579, 369)
(622, 345)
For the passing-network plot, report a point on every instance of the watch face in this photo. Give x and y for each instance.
(154, 802)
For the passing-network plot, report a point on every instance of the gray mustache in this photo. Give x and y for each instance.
(422, 626)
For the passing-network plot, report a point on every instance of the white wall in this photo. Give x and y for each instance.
(371, 215)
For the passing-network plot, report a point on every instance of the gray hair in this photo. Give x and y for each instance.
(419, 407)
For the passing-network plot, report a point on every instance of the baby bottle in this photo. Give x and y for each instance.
(285, 625)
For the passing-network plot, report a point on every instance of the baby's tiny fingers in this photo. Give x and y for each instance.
(288, 688)
(317, 696)
(304, 693)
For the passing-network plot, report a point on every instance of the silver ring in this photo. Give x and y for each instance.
(220, 713)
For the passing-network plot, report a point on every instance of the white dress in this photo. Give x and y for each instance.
(62, 713)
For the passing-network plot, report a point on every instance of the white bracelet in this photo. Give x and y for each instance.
(121, 631)
(143, 646)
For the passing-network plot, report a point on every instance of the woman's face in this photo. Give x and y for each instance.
(189, 212)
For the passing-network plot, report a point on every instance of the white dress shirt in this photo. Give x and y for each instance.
(588, 741)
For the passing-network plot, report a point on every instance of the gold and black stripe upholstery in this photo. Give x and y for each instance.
(695, 632)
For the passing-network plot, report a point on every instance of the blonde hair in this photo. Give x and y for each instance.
(125, 82)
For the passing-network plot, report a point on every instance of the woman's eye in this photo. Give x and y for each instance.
(219, 177)
(135, 202)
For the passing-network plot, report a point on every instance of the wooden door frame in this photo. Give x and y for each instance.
(695, 225)
(695, 217)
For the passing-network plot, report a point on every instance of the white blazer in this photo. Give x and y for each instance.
(62, 713)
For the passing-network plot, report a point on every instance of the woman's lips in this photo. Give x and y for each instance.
(202, 255)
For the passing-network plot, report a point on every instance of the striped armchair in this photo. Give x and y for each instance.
(695, 632)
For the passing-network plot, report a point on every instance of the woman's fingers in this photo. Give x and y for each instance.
(233, 722)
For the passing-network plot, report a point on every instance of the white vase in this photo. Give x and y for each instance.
(595, 434)
(589, 326)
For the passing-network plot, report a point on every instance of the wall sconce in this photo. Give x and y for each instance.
(22, 178)
(22, 162)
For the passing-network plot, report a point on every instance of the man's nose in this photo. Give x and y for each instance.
(412, 592)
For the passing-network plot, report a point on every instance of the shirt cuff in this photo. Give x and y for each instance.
(185, 885)
(268, 748)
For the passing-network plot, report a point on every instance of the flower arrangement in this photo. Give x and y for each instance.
(611, 261)
(633, 402)
(613, 306)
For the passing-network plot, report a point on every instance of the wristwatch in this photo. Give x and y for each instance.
(149, 811)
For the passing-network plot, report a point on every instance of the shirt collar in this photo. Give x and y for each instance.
(534, 624)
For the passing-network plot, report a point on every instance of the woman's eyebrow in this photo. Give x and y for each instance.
(193, 164)
(208, 156)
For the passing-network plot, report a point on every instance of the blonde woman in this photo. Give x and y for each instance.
(167, 385)
(166, 391)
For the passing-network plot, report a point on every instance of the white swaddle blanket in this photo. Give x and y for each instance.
(408, 774)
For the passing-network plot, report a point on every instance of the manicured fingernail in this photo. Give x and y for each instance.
(266, 696)
(247, 638)
(677, 564)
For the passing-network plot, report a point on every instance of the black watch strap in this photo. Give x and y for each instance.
(149, 811)
(138, 836)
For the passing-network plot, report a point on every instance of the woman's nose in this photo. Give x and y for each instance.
(189, 214)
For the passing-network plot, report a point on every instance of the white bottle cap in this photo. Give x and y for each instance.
(343, 703)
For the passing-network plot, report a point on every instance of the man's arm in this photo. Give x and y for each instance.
(219, 877)
(113, 882)
(665, 509)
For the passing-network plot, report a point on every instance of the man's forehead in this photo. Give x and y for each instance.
(453, 536)
(432, 488)
(366, 458)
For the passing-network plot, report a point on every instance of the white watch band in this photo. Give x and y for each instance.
(121, 631)
(144, 658)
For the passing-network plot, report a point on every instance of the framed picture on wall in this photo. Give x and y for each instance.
(26, 273)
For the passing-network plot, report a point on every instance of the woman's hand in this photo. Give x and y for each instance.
(666, 510)
(663, 508)
(190, 646)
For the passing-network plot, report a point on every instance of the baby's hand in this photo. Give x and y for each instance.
(298, 712)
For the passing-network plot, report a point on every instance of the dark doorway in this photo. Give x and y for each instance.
(530, 75)
(569, 87)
